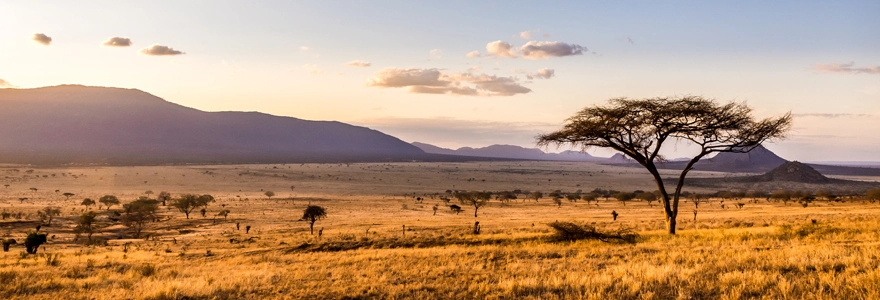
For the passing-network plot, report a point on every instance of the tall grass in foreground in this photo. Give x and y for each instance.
(836, 258)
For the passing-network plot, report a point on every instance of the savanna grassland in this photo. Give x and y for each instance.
(379, 241)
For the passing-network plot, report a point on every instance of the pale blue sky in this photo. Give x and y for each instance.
(287, 58)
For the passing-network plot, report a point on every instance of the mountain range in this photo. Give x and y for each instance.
(81, 124)
(511, 152)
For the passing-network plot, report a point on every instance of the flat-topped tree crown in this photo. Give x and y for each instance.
(639, 127)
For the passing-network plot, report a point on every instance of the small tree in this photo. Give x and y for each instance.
(269, 194)
(86, 224)
(49, 212)
(138, 213)
(536, 195)
(87, 202)
(68, 195)
(312, 214)
(224, 213)
(873, 194)
(109, 200)
(164, 197)
(474, 198)
(637, 128)
(189, 202)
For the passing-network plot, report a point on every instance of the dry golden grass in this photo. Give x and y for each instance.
(764, 250)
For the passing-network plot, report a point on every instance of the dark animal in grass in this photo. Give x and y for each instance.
(33, 241)
(614, 214)
(7, 243)
(455, 208)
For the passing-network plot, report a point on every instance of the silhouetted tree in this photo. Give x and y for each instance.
(189, 202)
(639, 127)
(312, 214)
(50, 212)
(138, 213)
(269, 194)
(87, 202)
(109, 200)
(536, 195)
(474, 198)
(86, 224)
(68, 195)
(164, 197)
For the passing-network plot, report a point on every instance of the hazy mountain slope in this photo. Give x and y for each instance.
(509, 151)
(81, 124)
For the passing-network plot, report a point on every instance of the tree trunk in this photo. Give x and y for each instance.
(670, 224)
(475, 211)
(312, 228)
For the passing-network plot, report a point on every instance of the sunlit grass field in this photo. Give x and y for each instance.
(379, 241)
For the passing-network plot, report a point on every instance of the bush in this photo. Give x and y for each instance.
(568, 231)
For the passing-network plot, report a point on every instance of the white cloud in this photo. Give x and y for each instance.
(473, 54)
(312, 69)
(160, 50)
(5, 84)
(358, 63)
(500, 49)
(304, 48)
(527, 35)
(541, 74)
(846, 68)
(436, 54)
(118, 41)
(42, 39)
(539, 50)
(433, 81)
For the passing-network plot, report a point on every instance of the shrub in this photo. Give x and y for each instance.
(568, 231)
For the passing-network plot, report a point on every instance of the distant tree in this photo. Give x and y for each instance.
(203, 212)
(138, 213)
(22, 199)
(639, 127)
(474, 198)
(536, 195)
(825, 194)
(86, 224)
(224, 213)
(109, 200)
(148, 192)
(68, 195)
(50, 212)
(557, 201)
(783, 195)
(312, 214)
(87, 202)
(623, 197)
(269, 194)
(873, 194)
(164, 197)
(189, 202)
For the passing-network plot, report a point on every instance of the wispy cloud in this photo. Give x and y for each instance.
(5, 84)
(118, 41)
(544, 50)
(311, 68)
(304, 48)
(159, 50)
(434, 81)
(528, 34)
(358, 63)
(435, 54)
(825, 115)
(541, 74)
(846, 68)
(42, 39)
(473, 54)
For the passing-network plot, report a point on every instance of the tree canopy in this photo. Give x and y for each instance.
(638, 128)
(312, 214)
(189, 202)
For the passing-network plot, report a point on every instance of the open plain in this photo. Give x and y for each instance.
(380, 241)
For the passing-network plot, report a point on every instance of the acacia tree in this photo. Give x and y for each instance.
(86, 224)
(88, 202)
(474, 198)
(312, 214)
(189, 202)
(138, 212)
(109, 200)
(49, 212)
(638, 128)
(164, 197)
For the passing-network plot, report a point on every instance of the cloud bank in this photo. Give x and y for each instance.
(160, 50)
(42, 39)
(433, 81)
(118, 41)
(358, 63)
(5, 84)
(541, 74)
(539, 50)
(846, 68)
(531, 50)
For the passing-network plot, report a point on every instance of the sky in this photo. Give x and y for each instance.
(468, 73)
